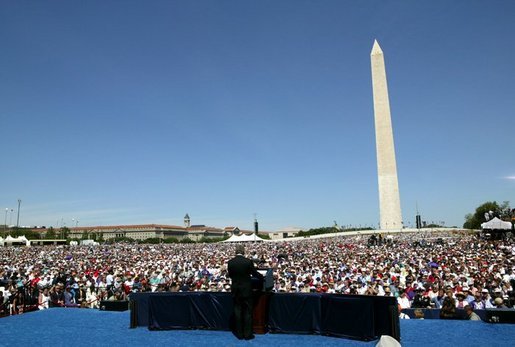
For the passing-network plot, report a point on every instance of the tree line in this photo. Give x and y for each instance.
(487, 211)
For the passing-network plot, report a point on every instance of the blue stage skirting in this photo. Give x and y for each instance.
(351, 316)
(494, 315)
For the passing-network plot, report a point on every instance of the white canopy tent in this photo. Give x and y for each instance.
(252, 237)
(245, 238)
(9, 241)
(496, 224)
(233, 238)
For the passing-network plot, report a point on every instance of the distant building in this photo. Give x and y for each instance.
(284, 233)
(187, 221)
(146, 231)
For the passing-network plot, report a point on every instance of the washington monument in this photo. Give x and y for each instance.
(389, 200)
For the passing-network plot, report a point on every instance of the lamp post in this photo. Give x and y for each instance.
(76, 221)
(18, 218)
(5, 219)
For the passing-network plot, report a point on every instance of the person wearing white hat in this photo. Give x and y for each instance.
(499, 303)
(497, 293)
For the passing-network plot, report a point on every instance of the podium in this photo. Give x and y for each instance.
(261, 289)
(260, 313)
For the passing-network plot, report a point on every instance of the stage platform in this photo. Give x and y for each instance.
(351, 316)
(86, 327)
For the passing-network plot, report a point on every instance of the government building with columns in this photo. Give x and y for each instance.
(161, 231)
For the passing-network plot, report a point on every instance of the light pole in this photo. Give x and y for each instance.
(11, 217)
(18, 219)
(5, 219)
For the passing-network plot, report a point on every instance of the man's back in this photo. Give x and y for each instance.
(240, 269)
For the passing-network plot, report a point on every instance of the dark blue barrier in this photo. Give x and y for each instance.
(190, 310)
(434, 313)
(140, 311)
(295, 314)
(351, 316)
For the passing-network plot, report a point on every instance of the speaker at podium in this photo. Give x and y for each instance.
(267, 283)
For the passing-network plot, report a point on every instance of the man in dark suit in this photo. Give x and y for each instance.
(240, 270)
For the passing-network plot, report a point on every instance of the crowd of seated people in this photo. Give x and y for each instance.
(433, 270)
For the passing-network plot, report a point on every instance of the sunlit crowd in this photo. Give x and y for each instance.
(422, 270)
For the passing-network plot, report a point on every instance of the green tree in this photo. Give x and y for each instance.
(474, 220)
(152, 240)
(214, 239)
(50, 234)
(120, 239)
(433, 225)
(15, 232)
(65, 232)
(505, 211)
(264, 236)
(124, 239)
(27, 232)
(318, 231)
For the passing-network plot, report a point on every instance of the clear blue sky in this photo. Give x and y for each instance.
(121, 112)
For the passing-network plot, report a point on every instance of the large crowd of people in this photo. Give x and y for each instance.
(446, 270)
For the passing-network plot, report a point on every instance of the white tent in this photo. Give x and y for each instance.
(24, 239)
(244, 238)
(496, 224)
(251, 238)
(9, 240)
(233, 238)
(1, 241)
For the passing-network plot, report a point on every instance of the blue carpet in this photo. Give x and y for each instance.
(81, 327)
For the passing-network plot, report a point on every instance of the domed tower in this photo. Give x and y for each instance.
(187, 221)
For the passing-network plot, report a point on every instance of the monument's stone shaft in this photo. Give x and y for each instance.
(389, 200)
